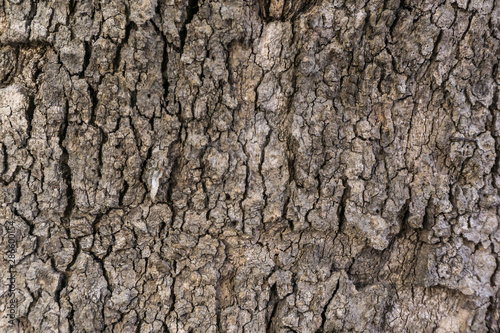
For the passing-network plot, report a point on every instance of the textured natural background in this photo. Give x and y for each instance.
(322, 166)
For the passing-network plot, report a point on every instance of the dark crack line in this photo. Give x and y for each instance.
(191, 11)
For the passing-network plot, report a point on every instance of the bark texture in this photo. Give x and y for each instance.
(251, 166)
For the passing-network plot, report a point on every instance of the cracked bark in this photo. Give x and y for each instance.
(321, 166)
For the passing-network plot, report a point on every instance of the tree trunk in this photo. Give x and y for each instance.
(249, 166)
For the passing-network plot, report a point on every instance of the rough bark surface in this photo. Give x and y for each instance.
(251, 166)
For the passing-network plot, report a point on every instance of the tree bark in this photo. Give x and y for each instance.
(249, 166)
